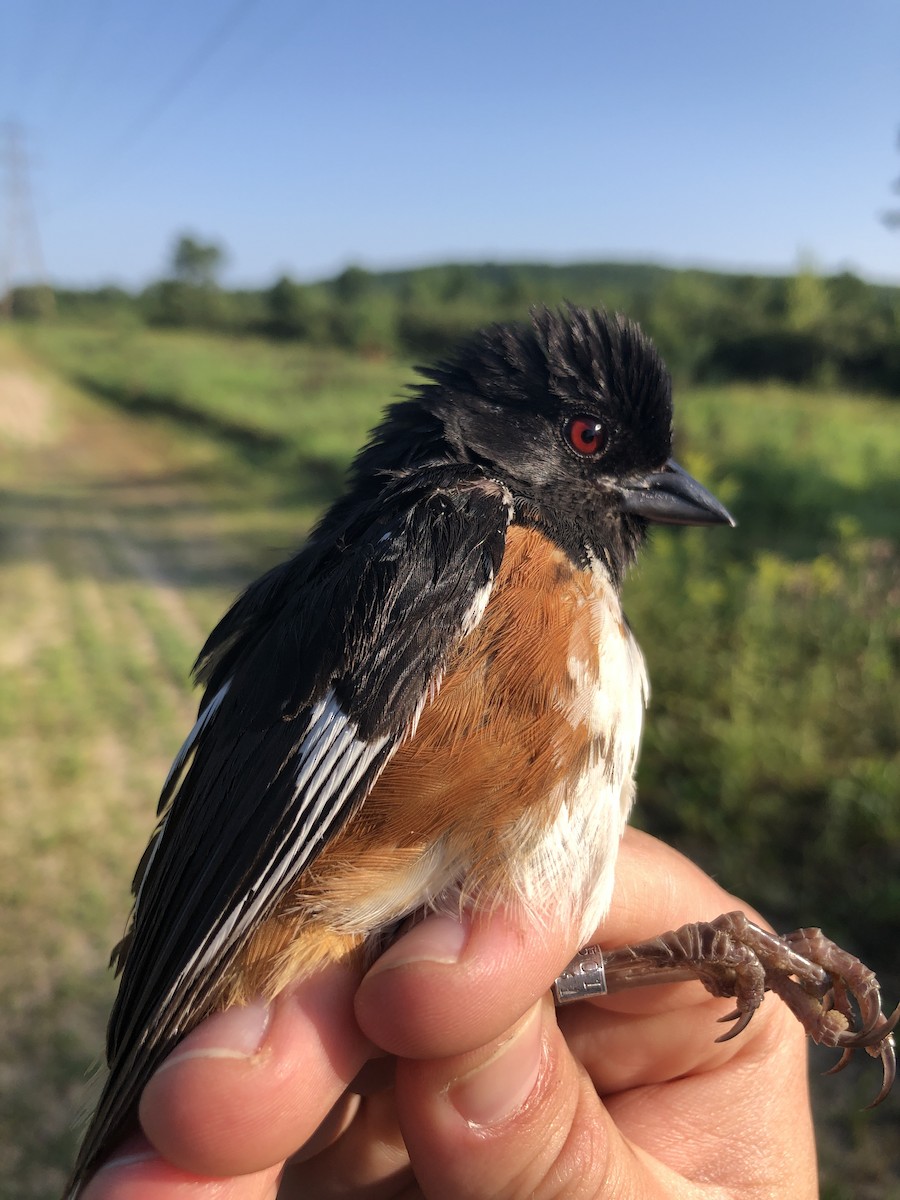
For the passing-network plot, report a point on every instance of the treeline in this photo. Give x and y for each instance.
(803, 329)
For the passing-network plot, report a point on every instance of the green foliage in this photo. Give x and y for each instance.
(772, 754)
(191, 299)
(300, 411)
(197, 263)
(772, 751)
(352, 285)
(289, 310)
(107, 306)
(179, 304)
(32, 303)
(808, 329)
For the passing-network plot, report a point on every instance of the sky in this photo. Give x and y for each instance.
(305, 137)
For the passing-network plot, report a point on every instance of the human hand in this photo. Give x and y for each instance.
(495, 1093)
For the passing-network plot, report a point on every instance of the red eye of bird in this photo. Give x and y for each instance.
(585, 435)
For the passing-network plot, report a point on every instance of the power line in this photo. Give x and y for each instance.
(33, 54)
(176, 85)
(69, 81)
(279, 41)
(204, 52)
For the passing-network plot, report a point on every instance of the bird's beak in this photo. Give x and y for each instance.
(672, 497)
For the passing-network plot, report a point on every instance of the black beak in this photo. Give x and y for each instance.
(672, 497)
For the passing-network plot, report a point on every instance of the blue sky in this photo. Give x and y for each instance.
(305, 137)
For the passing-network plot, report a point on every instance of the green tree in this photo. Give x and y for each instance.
(197, 263)
(35, 302)
(352, 285)
(288, 308)
(807, 300)
(459, 281)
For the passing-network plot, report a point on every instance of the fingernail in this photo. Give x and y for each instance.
(499, 1087)
(437, 939)
(237, 1032)
(128, 1160)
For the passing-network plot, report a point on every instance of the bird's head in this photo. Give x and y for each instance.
(573, 413)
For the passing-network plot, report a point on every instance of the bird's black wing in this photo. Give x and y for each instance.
(313, 679)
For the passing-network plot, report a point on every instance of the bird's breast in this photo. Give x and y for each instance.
(514, 786)
(518, 776)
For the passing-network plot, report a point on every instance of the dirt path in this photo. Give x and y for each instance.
(26, 406)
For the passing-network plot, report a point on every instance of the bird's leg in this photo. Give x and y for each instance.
(835, 997)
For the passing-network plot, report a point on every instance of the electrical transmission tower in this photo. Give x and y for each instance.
(20, 251)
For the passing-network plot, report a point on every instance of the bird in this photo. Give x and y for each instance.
(435, 704)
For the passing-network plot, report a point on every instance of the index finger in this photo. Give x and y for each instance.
(657, 888)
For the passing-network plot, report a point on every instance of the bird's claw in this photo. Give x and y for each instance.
(835, 997)
(849, 1016)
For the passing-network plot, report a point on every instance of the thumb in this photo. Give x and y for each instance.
(519, 1116)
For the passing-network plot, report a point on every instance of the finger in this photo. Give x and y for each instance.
(137, 1172)
(657, 1034)
(623, 1050)
(657, 889)
(451, 985)
(251, 1084)
(369, 1159)
(517, 1117)
(743, 1123)
(521, 1117)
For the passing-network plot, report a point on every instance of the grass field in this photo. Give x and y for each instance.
(145, 477)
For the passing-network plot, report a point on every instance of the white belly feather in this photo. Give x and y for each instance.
(575, 860)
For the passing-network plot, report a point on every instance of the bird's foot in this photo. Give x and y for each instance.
(834, 996)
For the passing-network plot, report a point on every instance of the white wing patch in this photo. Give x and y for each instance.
(178, 765)
(190, 741)
(479, 603)
(331, 761)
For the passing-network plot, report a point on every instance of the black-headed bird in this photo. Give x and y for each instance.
(437, 703)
